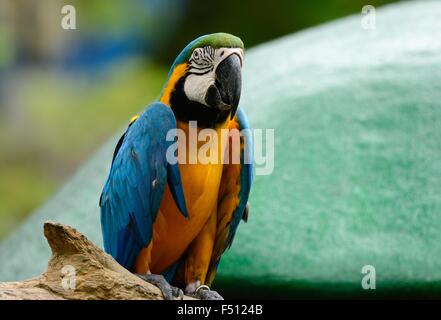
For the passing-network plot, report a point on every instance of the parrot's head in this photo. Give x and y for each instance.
(204, 82)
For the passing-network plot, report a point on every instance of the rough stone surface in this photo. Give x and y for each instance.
(97, 275)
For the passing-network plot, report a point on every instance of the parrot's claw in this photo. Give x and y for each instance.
(208, 295)
(204, 292)
(169, 292)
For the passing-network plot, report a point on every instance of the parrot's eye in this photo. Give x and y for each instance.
(203, 56)
(196, 56)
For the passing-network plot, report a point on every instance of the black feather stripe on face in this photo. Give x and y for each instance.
(186, 110)
(201, 61)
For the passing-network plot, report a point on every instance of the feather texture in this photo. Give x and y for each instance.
(136, 183)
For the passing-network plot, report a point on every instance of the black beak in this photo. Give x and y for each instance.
(225, 94)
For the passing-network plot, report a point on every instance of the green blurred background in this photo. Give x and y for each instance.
(64, 92)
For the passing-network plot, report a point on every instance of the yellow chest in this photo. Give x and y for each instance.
(201, 173)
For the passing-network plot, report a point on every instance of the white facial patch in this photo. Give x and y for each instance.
(202, 70)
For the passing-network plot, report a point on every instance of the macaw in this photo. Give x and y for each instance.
(167, 222)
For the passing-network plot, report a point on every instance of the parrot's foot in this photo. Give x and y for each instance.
(202, 292)
(169, 292)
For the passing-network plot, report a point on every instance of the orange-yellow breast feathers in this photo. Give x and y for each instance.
(178, 72)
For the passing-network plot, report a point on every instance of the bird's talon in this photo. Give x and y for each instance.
(169, 292)
(204, 292)
(178, 294)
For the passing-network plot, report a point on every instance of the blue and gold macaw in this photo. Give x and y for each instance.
(171, 222)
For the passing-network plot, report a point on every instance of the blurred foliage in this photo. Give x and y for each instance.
(258, 21)
(61, 125)
(62, 93)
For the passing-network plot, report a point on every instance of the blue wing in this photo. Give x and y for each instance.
(229, 221)
(246, 176)
(136, 183)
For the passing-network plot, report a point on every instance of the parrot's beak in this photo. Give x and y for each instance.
(225, 94)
